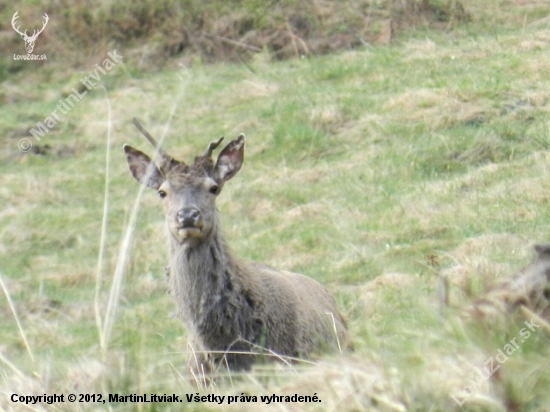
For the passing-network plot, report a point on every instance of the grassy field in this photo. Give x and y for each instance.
(375, 171)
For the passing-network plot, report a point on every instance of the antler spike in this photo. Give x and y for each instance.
(212, 146)
(166, 158)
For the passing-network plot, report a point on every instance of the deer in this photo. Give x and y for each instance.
(234, 312)
(29, 40)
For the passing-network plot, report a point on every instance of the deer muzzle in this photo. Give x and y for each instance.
(189, 218)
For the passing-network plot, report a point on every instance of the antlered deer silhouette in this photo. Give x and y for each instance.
(29, 40)
(232, 309)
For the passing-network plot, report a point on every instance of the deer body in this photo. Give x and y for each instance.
(227, 305)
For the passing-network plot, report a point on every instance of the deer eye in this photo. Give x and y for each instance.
(162, 194)
(214, 189)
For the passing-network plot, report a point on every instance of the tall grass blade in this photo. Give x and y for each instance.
(103, 236)
(14, 312)
(116, 287)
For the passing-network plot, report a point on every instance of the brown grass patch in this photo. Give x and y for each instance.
(367, 295)
(151, 33)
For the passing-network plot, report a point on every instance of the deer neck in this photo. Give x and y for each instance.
(202, 277)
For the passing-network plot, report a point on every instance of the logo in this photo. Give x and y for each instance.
(29, 40)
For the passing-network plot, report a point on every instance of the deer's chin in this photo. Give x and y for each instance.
(184, 234)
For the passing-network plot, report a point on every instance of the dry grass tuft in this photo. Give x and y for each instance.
(450, 375)
(328, 118)
(440, 109)
(343, 385)
(20, 384)
(487, 244)
(249, 90)
(530, 288)
(349, 385)
(367, 295)
(86, 375)
(474, 269)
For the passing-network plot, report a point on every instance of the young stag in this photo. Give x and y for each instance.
(230, 308)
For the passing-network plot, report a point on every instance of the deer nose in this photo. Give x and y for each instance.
(189, 217)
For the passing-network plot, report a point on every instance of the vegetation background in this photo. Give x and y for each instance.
(394, 147)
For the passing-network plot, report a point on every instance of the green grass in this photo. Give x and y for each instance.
(358, 167)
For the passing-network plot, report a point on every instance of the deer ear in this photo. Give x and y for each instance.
(143, 169)
(229, 161)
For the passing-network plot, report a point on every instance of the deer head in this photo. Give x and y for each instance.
(188, 192)
(29, 41)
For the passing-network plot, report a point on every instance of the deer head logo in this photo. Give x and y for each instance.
(29, 40)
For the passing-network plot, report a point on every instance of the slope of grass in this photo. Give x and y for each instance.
(153, 33)
(370, 170)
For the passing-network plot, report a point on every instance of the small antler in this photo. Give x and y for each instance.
(212, 146)
(166, 158)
